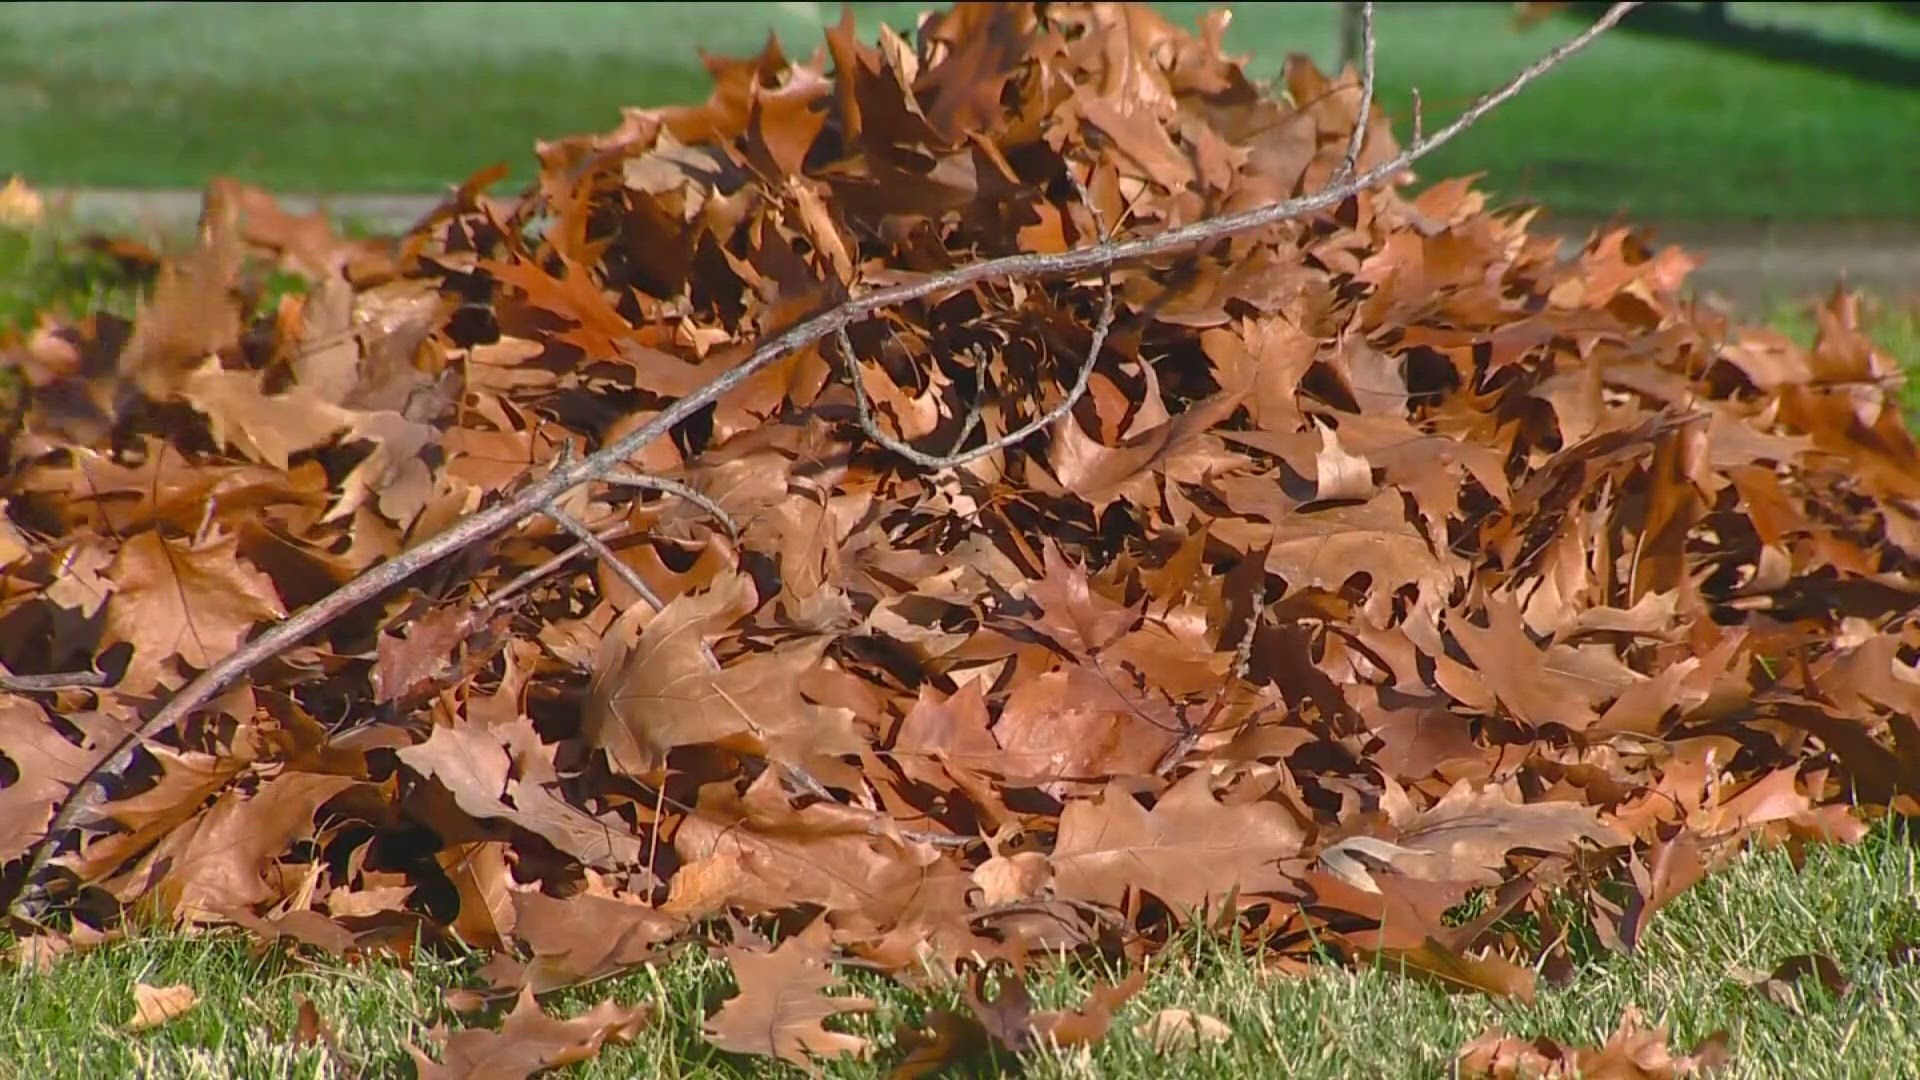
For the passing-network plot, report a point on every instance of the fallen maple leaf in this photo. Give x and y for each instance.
(1374, 555)
(1632, 1053)
(1170, 1030)
(666, 691)
(45, 762)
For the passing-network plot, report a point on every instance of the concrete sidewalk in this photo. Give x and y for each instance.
(1749, 268)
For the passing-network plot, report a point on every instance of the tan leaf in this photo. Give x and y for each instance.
(529, 1042)
(197, 602)
(1465, 837)
(1170, 1030)
(155, 1005)
(665, 691)
(1188, 850)
(225, 857)
(45, 763)
(1341, 475)
(780, 1004)
(478, 766)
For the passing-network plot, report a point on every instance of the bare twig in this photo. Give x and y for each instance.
(958, 457)
(533, 498)
(625, 478)
(605, 554)
(1358, 138)
(972, 419)
(1242, 656)
(59, 680)
(530, 577)
(992, 446)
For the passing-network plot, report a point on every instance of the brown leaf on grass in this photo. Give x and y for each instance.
(1672, 867)
(585, 937)
(1188, 851)
(1464, 837)
(40, 952)
(1172, 1030)
(780, 1004)
(311, 1029)
(1435, 962)
(1781, 985)
(1632, 1053)
(1536, 562)
(155, 1005)
(1010, 1019)
(528, 1042)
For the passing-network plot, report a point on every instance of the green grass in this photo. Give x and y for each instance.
(1855, 905)
(1894, 328)
(376, 97)
(44, 270)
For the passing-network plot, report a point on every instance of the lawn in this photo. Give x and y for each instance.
(1695, 972)
(411, 97)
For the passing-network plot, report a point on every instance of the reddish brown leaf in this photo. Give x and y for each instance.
(667, 690)
(1188, 851)
(528, 1042)
(780, 1004)
(197, 602)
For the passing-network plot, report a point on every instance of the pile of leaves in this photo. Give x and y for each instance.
(1389, 561)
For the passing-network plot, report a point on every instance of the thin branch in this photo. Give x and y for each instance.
(1242, 656)
(605, 554)
(625, 478)
(532, 576)
(958, 457)
(992, 446)
(972, 419)
(59, 680)
(1358, 138)
(85, 792)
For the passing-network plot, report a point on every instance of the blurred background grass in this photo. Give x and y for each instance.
(1801, 113)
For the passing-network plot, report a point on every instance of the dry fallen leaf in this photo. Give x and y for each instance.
(528, 1042)
(1465, 837)
(780, 1005)
(155, 1005)
(1633, 1053)
(1171, 1030)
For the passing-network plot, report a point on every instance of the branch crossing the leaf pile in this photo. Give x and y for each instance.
(610, 463)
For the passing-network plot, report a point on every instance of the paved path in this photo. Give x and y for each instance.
(1749, 268)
